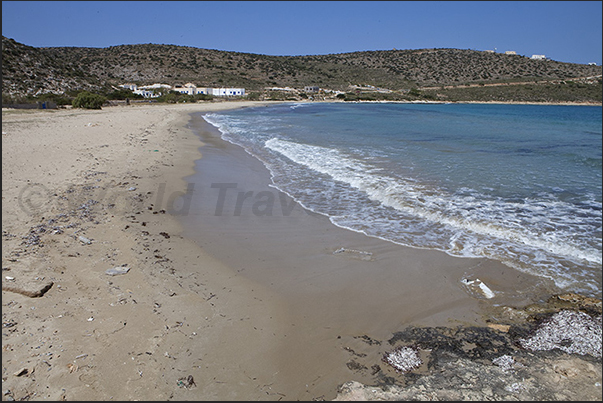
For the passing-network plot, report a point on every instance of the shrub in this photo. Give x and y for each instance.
(88, 100)
(253, 96)
(204, 97)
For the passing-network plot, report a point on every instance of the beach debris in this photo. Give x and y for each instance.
(117, 270)
(81, 356)
(357, 254)
(84, 240)
(72, 367)
(403, 358)
(9, 278)
(569, 331)
(23, 371)
(187, 382)
(131, 188)
(90, 319)
(478, 286)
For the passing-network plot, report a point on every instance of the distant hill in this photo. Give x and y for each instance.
(28, 70)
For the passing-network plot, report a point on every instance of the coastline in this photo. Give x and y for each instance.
(243, 310)
(480, 102)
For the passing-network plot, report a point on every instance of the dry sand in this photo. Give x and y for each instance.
(135, 334)
(225, 306)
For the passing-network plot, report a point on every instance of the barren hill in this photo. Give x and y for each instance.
(28, 70)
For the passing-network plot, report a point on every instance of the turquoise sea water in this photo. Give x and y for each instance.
(517, 183)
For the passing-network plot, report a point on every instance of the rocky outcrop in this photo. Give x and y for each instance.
(548, 351)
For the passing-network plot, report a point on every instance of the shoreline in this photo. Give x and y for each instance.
(473, 102)
(203, 319)
(256, 103)
(338, 285)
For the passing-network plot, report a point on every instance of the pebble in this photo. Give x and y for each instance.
(117, 271)
(84, 240)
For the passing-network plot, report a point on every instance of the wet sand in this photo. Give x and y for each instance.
(333, 285)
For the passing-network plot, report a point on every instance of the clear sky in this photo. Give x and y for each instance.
(566, 31)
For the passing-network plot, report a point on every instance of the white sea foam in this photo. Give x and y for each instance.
(493, 218)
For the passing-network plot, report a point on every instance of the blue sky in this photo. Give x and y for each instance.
(566, 31)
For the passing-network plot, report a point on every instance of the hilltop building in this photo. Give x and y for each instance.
(538, 57)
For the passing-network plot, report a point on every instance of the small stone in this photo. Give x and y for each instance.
(21, 372)
(84, 240)
(117, 271)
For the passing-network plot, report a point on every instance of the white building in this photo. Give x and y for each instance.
(188, 88)
(311, 88)
(226, 92)
(155, 86)
(235, 92)
(131, 87)
(510, 52)
(146, 93)
(538, 57)
(144, 90)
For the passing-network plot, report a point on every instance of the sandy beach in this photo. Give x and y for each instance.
(144, 258)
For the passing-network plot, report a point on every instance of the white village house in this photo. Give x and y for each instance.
(188, 88)
(144, 91)
(226, 92)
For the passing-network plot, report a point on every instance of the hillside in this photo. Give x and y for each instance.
(29, 71)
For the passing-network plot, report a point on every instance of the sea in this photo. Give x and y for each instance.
(520, 184)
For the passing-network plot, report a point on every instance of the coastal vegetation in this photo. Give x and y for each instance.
(88, 100)
(29, 73)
